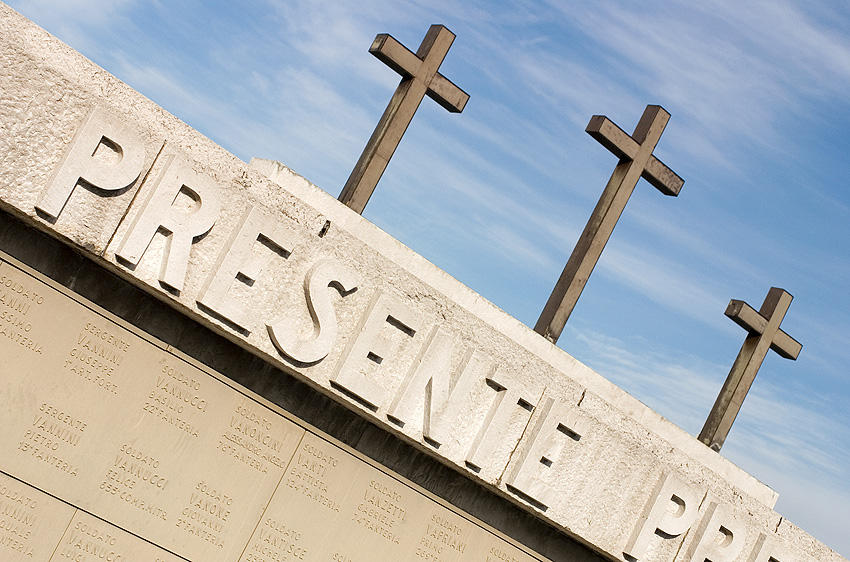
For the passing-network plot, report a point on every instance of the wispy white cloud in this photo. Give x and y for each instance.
(790, 442)
(77, 22)
(679, 388)
(774, 427)
(726, 69)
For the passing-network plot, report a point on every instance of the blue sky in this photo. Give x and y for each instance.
(498, 195)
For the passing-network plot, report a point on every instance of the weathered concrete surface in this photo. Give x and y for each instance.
(608, 470)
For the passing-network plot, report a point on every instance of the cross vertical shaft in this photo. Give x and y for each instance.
(764, 333)
(636, 161)
(420, 77)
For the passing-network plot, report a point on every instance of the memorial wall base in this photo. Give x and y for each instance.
(168, 454)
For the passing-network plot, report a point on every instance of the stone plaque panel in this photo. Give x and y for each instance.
(154, 449)
(333, 506)
(89, 539)
(31, 522)
(123, 428)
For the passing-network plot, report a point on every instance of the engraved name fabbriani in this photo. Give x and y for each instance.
(392, 362)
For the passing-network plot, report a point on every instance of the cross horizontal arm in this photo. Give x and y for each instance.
(398, 57)
(746, 317)
(753, 322)
(395, 55)
(662, 178)
(612, 137)
(786, 346)
(444, 92)
(625, 147)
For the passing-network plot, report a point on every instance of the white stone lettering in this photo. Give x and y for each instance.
(446, 397)
(184, 204)
(557, 425)
(237, 259)
(770, 548)
(671, 509)
(511, 399)
(105, 153)
(367, 352)
(720, 537)
(324, 274)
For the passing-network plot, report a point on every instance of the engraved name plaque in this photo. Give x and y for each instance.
(119, 448)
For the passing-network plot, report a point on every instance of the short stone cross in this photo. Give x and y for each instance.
(420, 76)
(764, 334)
(636, 161)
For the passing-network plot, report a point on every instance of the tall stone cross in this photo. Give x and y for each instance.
(636, 161)
(764, 334)
(420, 76)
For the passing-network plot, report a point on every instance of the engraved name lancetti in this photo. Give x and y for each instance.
(514, 432)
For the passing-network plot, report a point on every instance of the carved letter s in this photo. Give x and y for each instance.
(324, 274)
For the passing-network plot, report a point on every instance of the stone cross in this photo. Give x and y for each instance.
(764, 334)
(420, 76)
(636, 161)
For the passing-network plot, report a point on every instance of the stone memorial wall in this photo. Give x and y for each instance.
(121, 440)
(122, 449)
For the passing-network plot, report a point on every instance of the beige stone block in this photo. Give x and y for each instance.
(721, 534)
(334, 505)
(802, 546)
(89, 539)
(114, 423)
(31, 522)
